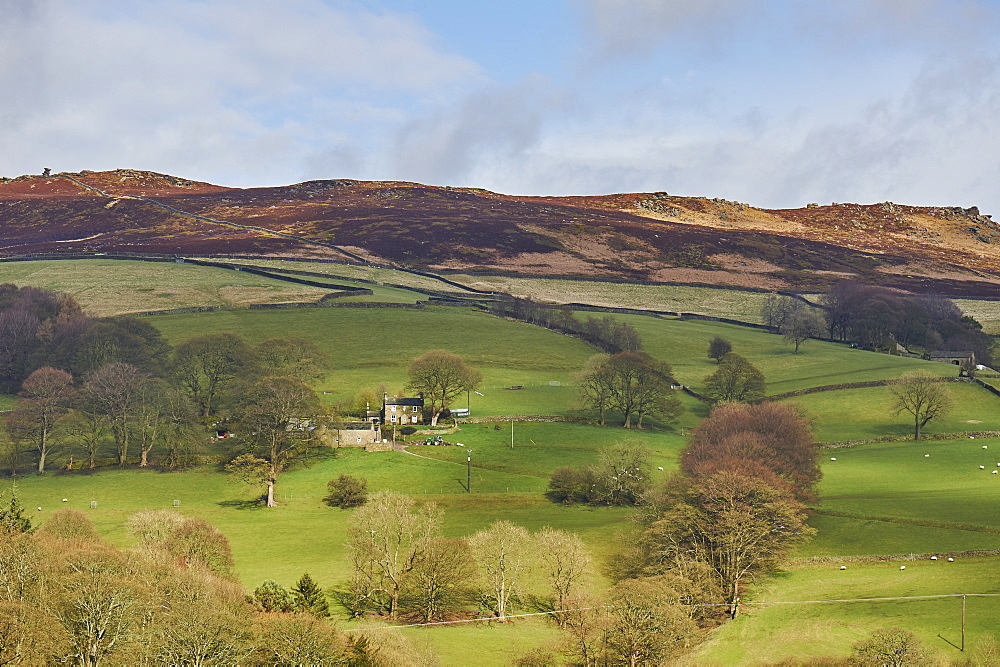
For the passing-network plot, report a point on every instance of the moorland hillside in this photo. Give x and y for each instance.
(640, 237)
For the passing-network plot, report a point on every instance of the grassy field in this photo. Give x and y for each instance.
(735, 304)
(114, 287)
(352, 272)
(369, 346)
(986, 313)
(875, 499)
(770, 633)
(684, 344)
(856, 414)
(303, 534)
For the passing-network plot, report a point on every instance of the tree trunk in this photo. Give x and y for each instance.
(43, 450)
(434, 416)
(270, 493)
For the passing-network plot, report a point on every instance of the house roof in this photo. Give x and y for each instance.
(951, 354)
(395, 400)
(357, 426)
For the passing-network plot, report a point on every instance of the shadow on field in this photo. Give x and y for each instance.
(242, 504)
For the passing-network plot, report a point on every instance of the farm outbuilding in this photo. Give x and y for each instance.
(361, 434)
(966, 359)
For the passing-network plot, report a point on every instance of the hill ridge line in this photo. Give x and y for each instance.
(223, 223)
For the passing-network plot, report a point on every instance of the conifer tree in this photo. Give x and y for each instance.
(309, 597)
(12, 519)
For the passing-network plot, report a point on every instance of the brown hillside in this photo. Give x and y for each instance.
(636, 236)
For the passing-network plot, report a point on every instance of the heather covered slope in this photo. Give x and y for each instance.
(638, 237)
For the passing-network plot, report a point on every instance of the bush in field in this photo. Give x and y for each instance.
(347, 491)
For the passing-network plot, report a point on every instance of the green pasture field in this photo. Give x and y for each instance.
(305, 535)
(540, 448)
(735, 304)
(936, 482)
(986, 313)
(369, 346)
(771, 633)
(114, 287)
(684, 344)
(889, 498)
(875, 499)
(353, 272)
(857, 414)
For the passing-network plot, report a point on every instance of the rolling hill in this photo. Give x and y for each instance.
(641, 237)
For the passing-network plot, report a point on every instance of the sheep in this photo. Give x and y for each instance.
(65, 500)
(951, 560)
(926, 456)
(833, 458)
(843, 567)
(994, 471)
(982, 467)
(902, 567)
(933, 557)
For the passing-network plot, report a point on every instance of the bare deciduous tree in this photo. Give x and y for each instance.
(502, 554)
(923, 396)
(389, 537)
(735, 380)
(737, 524)
(279, 417)
(206, 365)
(647, 624)
(565, 564)
(440, 582)
(719, 347)
(801, 324)
(45, 398)
(116, 389)
(633, 383)
(890, 647)
(440, 377)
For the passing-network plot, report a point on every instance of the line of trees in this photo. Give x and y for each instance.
(878, 318)
(606, 333)
(90, 385)
(404, 568)
(67, 596)
(632, 384)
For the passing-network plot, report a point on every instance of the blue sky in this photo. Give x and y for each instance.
(776, 103)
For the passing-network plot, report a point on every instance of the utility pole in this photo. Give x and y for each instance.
(963, 623)
(512, 434)
(468, 472)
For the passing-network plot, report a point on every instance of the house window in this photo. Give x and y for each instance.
(414, 419)
(392, 418)
(414, 408)
(393, 408)
(359, 440)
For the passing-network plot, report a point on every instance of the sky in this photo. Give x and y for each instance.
(775, 103)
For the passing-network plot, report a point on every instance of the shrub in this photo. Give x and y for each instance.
(347, 491)
(272, 596)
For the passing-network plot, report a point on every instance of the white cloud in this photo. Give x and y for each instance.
(221, 88)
